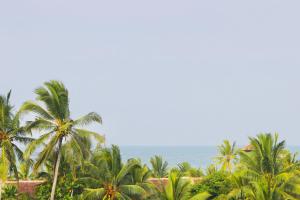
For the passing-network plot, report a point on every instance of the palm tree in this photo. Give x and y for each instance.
(211, 169)
(69, 171)
(266, 174)
(186, 169)
(159, 167)
(25, 169)
(53, 120)
(75, 165)
(140, 176)
(178, 188)
(11, 134)
(227, 155)
(240, 185)
(108, 178)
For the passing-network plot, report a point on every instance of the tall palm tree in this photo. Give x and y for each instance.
(11, 134)
(69, 172)
(227, 155)
(159, 167)
(53, 120)
(108, 178)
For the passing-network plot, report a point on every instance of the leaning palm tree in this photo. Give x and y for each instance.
(159, 167)
(227, 155)
(11, 134)
(108, 178)
(53, 120)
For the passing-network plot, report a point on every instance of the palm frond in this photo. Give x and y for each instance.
(44, 154)
(87, 119)
(94, 194)
(126, 169)
(87, 133)
(35, 144)
(132, 190)
(201, 196)
(30, 106)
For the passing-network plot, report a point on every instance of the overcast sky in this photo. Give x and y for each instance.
(161, 72)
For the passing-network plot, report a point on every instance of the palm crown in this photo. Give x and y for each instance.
(107, 171)
(159, 167)
(11, 133)
(227, 155)
(53, 120)
(267, 172)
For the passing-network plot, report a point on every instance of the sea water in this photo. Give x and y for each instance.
(197, 156)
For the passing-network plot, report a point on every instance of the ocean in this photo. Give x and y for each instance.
(197, 156)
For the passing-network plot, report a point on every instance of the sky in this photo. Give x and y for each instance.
(161, 72)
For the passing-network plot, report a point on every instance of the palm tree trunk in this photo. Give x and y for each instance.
(0, 189)
(56, 170)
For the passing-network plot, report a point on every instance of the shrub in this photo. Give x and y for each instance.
(66, 189)
(216, 184)
(24, 196)
(10, 192)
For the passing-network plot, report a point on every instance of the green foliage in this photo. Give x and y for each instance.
(12, 134)
(227, 155)
(216, 184)
(24, 196)
(10, 192)
(186, 169)
(159, 167)
(268, 172)
(54, 122)
(139, 176)
(178, 188)
(25, 169)
(107, 177)
(67, 189)
(211, 169)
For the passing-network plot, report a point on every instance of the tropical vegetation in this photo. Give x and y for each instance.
(73, 163)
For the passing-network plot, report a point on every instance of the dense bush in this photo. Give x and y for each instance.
(10, 192)
(66, 189)
(24, 196)
(216, 184)
(186, 169)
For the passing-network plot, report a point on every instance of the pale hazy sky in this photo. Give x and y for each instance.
(161, 72)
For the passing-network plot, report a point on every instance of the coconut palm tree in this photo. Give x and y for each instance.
(25, 169)
(266, 174)
(54, 122)
(178, 188)
(159, 167)
(227, 155)
(11, 134)
(69, 172)
(240, 186)
(108, 178)
(140, 176)
(186, 169)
